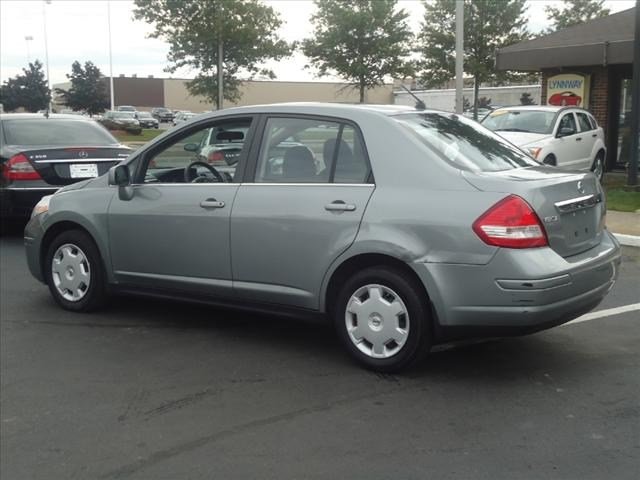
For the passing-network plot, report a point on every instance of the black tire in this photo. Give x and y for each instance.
(550, 160)
(417, 343)
(95, 295)
(594, 166)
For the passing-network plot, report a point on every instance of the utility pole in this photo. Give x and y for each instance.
(635, 106)
(459, 54)
(28, 38)
(220, 63)
(110, 56)
(46, 49)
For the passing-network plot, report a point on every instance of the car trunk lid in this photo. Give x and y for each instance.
(65, 165)
(570, 204)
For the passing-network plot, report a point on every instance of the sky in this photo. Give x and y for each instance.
(78, 30)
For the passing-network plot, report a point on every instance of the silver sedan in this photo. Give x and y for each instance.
(405, 227)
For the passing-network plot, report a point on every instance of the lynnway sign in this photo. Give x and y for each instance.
(568, 89)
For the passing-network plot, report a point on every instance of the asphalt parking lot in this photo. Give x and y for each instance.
(160, 390)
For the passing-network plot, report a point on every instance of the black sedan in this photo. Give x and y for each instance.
(162, 114)
(40, 154)
(146, 120)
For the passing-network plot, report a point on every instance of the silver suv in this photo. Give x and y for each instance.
(406, 228)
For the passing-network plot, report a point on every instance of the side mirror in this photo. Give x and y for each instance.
(119, 176)
(191, 147)
(565, 132)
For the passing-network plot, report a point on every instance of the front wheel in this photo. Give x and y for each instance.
(383, 319)
(74, 272)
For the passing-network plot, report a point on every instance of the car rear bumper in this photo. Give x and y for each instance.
(18, 202)
(519, 291)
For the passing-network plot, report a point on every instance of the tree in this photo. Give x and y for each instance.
(29, 90)
(88, 90)
(247, 30)
(525, 99)
(362, 41)
(575, 12)
(488, 26)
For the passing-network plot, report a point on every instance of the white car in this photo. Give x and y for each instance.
(567, 137)
(182, 117)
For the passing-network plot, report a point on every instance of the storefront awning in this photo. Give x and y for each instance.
(604, 41)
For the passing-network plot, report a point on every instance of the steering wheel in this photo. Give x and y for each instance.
(187, 173)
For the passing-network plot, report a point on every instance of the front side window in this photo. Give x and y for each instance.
(464, 143)
(567, 125)
(209, 154)
(296, 150)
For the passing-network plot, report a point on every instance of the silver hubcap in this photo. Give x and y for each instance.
(71, 273)
(377, 321)
(598, 168)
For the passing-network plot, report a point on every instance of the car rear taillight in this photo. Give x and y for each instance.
(19, 168)
(216, 156)
(511, 223)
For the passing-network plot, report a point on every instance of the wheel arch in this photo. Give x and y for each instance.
(56, 229)
(352, 264)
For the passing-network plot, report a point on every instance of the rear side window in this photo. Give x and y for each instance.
(583, 120)
(593, 122)
(301, 150)
(54, 132)
(465, 143)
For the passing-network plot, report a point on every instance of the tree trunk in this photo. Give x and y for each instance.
(362, 88)
(476, 91)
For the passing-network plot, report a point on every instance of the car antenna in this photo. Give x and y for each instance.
(420, 105)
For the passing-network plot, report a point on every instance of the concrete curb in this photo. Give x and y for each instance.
(627, 240)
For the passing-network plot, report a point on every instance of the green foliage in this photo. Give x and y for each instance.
(466, 104)
(525, 99)
(361, 41)
(193, 29)
(28, 90)
(575, 12)
(88, 90)
(488, 26)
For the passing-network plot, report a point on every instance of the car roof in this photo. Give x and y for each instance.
(540, 108)
(320, 108)
(31, 116)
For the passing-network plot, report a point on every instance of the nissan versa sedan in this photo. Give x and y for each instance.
(40, 154)
(406, 228)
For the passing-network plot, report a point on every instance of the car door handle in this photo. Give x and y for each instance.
(340, 206)
(579, 139)
(594, 135)
(211, 203)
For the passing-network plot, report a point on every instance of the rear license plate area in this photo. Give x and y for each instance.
(83, 170)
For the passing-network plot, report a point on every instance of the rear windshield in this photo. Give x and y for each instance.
(530, 121)
(465, 143)
(56, 132)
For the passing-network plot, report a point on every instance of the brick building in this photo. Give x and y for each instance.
(599, 54)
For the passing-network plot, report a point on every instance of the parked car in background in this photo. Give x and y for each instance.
(162, 114)
(406, 228)
(182, 116)
(126, 108)
(566, 137)
(38, 155)
(146, 120)
(126, 121)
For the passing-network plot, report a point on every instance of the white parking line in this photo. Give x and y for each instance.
(606, 313)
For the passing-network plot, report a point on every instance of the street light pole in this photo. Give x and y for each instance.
(220, 63)
(632, 179)
(110, 56)
(46, 48)
(459, 54)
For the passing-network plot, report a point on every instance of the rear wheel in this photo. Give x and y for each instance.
(382, 318)
(74, 272)
(598, 166)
